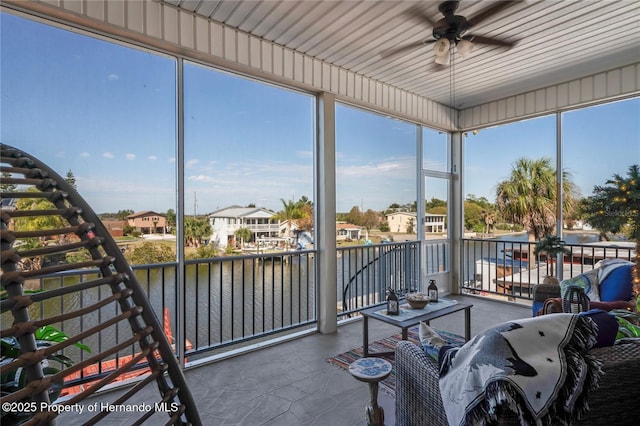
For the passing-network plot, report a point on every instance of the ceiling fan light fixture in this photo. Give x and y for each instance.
(464, 48)
(441, 47)
(443, 60)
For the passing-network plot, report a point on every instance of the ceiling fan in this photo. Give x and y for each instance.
(451, 31)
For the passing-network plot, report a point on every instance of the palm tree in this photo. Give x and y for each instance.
(244, 234)
(528, 196)
(291, 211)
(552, 246)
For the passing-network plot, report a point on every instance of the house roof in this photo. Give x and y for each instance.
(412, 214)
(144, 213)
(237, 211)
(348, 226)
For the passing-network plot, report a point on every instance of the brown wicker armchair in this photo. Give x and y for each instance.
(68, 236)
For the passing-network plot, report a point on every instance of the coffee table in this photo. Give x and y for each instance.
(410, 317)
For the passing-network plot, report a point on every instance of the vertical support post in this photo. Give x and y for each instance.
(420, 208)
(456, 212)
(180, 272)
(559, 194)
(325, 183)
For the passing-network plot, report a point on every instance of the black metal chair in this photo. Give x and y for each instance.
(66, 224)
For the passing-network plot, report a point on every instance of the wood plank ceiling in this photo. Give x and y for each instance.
(555, 41)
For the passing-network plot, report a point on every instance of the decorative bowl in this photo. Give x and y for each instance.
(417, 300)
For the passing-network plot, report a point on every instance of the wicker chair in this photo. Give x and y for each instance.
(68, 229)
(419, 403)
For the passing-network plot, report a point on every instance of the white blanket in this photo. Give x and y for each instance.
(537, 366)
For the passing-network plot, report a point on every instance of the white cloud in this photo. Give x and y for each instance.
(85, 154)
(130, 156)
(107, 155)
(152, 158)
(172, 160)
(113, 77)
(192, 163)
(202, 178)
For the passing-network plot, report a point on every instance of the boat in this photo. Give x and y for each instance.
(585, 254)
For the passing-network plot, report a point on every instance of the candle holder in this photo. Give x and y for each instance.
(575, 300)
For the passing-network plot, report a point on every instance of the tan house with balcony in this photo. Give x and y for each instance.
(405, 222)
(148, 222)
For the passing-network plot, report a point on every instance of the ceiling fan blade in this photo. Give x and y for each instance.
(490, 11)
(403, 49)
(416, 12)
(487, 40)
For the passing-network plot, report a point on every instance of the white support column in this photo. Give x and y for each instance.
(181, 279)
(559, 192)
(325, 237)
(456, 212)
(420, 204)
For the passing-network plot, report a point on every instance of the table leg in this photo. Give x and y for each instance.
(365, 336)
(467, 324)
(405, 334)
(374, 413)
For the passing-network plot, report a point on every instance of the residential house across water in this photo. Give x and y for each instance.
(225, 222)
(405, 222)
(148, 222)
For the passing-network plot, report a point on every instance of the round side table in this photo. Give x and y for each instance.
(372, 371)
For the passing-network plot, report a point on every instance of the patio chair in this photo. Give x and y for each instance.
(48, 229)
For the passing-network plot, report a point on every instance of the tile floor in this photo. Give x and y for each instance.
(292, 383)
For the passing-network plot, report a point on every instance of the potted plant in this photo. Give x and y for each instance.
(15, 379)
(551, 246)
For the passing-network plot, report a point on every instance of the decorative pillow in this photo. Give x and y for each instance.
(607, 326)
(617, 285)
(432, 341)
(588, 281)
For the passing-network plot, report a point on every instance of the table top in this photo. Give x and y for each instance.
(370, 369)
(415, 316)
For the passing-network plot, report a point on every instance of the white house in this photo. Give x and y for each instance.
(347, 231)
(227, 221)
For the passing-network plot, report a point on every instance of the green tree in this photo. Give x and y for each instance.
(435, 202)
(528, 196)
(354, 216)
(148, 253)
(195, 230)
(71, 179)
(370, 220)
(37, 223)
(615, 207)
(123, 214)
(7, 187)
(171, 220)
(552, 246)
(289, 212)
(243, 234)
(473, 216)
(410, 226)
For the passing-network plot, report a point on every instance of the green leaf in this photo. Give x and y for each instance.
(52, 334)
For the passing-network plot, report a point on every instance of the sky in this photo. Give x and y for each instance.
(107, 113)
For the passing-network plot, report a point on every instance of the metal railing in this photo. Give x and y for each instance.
(237, 300)
(365, 272)
(511, 269)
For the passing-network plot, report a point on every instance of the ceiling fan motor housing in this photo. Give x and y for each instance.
(451, 27)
